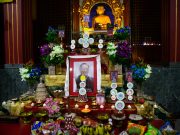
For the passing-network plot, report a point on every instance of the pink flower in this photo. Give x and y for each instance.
(51, 106)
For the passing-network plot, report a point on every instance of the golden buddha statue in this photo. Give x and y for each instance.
(101, 19)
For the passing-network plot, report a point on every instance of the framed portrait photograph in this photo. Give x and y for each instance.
(129, 76)
(83, 74)
(113, 76)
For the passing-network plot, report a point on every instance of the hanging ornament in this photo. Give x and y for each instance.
(86, 41)
(82, 91)
(82, 84)
(130, 92)
(120, 96)
(113, 85)
(119, 105)
(130, 85)
(100, 46)
(113, 92)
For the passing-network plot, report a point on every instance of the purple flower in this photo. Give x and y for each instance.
(45, 50)
(123, 50)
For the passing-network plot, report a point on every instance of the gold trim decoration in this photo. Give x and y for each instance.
(59, 80)
(115, 5)
(55, 80)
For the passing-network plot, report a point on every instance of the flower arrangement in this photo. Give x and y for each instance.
(52, 56)
(52, 52)
(119, 53)
(141, 71)
(30, 73)
(123, 53)
(51, 106)
(122, 33)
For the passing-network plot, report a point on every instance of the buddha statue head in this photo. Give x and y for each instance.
(100, 10)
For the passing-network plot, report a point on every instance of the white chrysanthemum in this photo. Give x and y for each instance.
(148, 69)
(111, 52)
(148, 66)
(23, 70)
(57, 51)
(111, 46)
(147, 76)
(24, 73)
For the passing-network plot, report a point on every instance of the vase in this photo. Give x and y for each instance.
(139, 91)
(32, 87)
(58, 69)
(51, 70)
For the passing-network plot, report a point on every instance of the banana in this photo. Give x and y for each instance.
(101, 130)
(85, 130)
(90, 131)
(96, 131)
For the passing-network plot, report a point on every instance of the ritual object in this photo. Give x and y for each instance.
(41, 92)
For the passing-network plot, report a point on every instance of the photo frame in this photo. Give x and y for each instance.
(87, 66)
(129, 77)
(113, 76)
(118, 68)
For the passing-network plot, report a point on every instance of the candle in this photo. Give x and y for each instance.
(22, 104)
(76, 106)
(155, 106)
(101, 106)
(142, 106)
(129, 106)
(39, 101)
(86, 106)
(32, 104)
(61, 102)
(112, 107)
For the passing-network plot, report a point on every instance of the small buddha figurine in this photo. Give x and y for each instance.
(101, 19)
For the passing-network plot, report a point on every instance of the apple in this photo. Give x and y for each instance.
(141, 100)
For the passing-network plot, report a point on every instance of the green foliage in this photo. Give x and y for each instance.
(122, 33)
(55, 61)
(51, 35)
